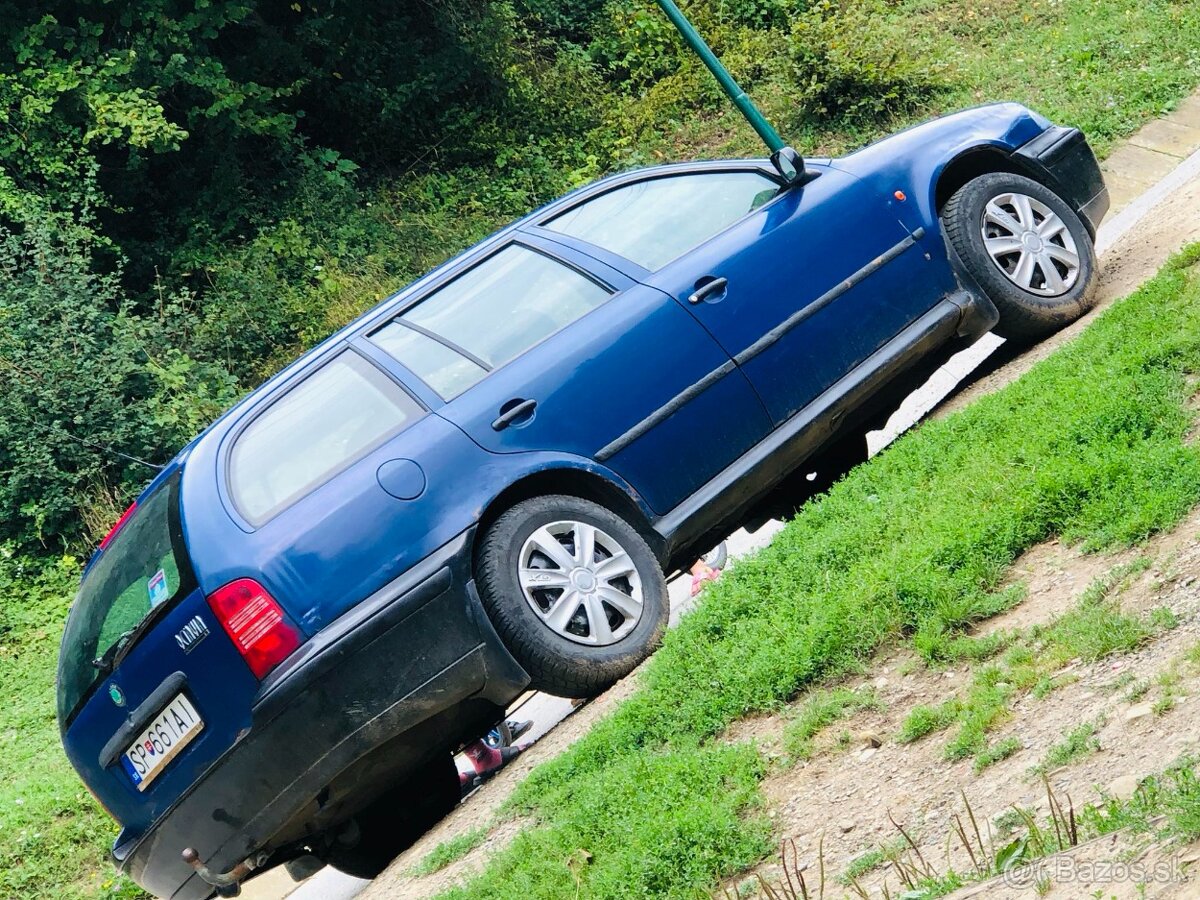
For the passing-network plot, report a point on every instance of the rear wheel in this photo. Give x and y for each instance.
(574, 591)
(1028, 250)
(395, 821)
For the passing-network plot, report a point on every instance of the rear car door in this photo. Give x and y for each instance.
(538, 347)
(798, 285)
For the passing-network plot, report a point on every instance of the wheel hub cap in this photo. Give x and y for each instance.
(1031, 244)
(584, 581)
(580, 582)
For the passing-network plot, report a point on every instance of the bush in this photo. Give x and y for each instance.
(85, 387)
(851, 60)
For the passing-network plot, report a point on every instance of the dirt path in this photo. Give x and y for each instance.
(857, 788)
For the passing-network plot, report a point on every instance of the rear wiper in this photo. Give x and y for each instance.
(107, 661)
(121, 646)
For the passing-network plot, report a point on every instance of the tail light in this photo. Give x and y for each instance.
(255, 623)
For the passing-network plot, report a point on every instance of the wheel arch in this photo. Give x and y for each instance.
(979, 160)
(573, 482)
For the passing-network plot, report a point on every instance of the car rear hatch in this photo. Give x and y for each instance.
(152, 685)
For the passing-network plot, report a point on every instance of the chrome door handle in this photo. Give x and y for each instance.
(716, 286)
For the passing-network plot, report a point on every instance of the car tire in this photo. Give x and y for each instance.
(546, 599)
(397, 819)
(1028, 250)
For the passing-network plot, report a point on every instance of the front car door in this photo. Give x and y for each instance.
(798, 285)
(537, 347)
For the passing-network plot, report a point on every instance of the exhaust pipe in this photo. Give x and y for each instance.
(228, 883)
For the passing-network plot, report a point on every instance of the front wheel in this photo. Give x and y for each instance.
(1028, 250)
(574, 591)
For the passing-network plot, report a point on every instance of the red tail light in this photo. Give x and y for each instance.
(112, 532)
(255, 623)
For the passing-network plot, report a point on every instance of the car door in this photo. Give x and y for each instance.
(798, 285)
(536, 347)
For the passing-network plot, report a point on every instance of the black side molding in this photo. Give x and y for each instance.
(774, 335)
(140, 717)
(665, 411)
(735, 489)
(685, 396)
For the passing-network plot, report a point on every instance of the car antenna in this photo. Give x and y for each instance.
(787, 162)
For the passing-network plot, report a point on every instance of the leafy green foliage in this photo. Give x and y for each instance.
(852, 60)
(78, 374)
(192, 194)
(247, 177)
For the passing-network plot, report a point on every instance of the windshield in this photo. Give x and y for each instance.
(145, 567)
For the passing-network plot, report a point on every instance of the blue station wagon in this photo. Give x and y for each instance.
(478, 487)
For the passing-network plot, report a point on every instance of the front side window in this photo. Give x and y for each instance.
(655, 221)
(490, 315)
(332, 418)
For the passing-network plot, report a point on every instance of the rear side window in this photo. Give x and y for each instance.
(488, 316)
(335, 416)
(143, 569)
(655, 221)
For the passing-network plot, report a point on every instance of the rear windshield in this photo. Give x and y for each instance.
(144, 568)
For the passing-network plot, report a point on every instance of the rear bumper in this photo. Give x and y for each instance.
(1064, 160)
(408, 673)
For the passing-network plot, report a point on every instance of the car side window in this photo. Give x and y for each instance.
(655, 221)
(329, 420)
(491, 314)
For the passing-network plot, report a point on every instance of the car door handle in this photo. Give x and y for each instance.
(513, 411)
(716, 286)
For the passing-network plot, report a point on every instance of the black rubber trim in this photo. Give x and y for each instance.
(776, 333)
(664, 412)
(1051, 145)
(737, 487)
(140, 717)
(1062, 159)
(437, 338)
(359, 625)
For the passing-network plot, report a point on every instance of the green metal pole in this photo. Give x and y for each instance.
(756, 119)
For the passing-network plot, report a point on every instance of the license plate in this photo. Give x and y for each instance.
(171, 731)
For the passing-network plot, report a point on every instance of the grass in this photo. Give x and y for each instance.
(875, 858)
(1093, 629)
(449, 851)
(1001, 750)
(654, 824)
(923, 720)
(821, 710)
(1089, 445)
(1079, 742)
(53, 835)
